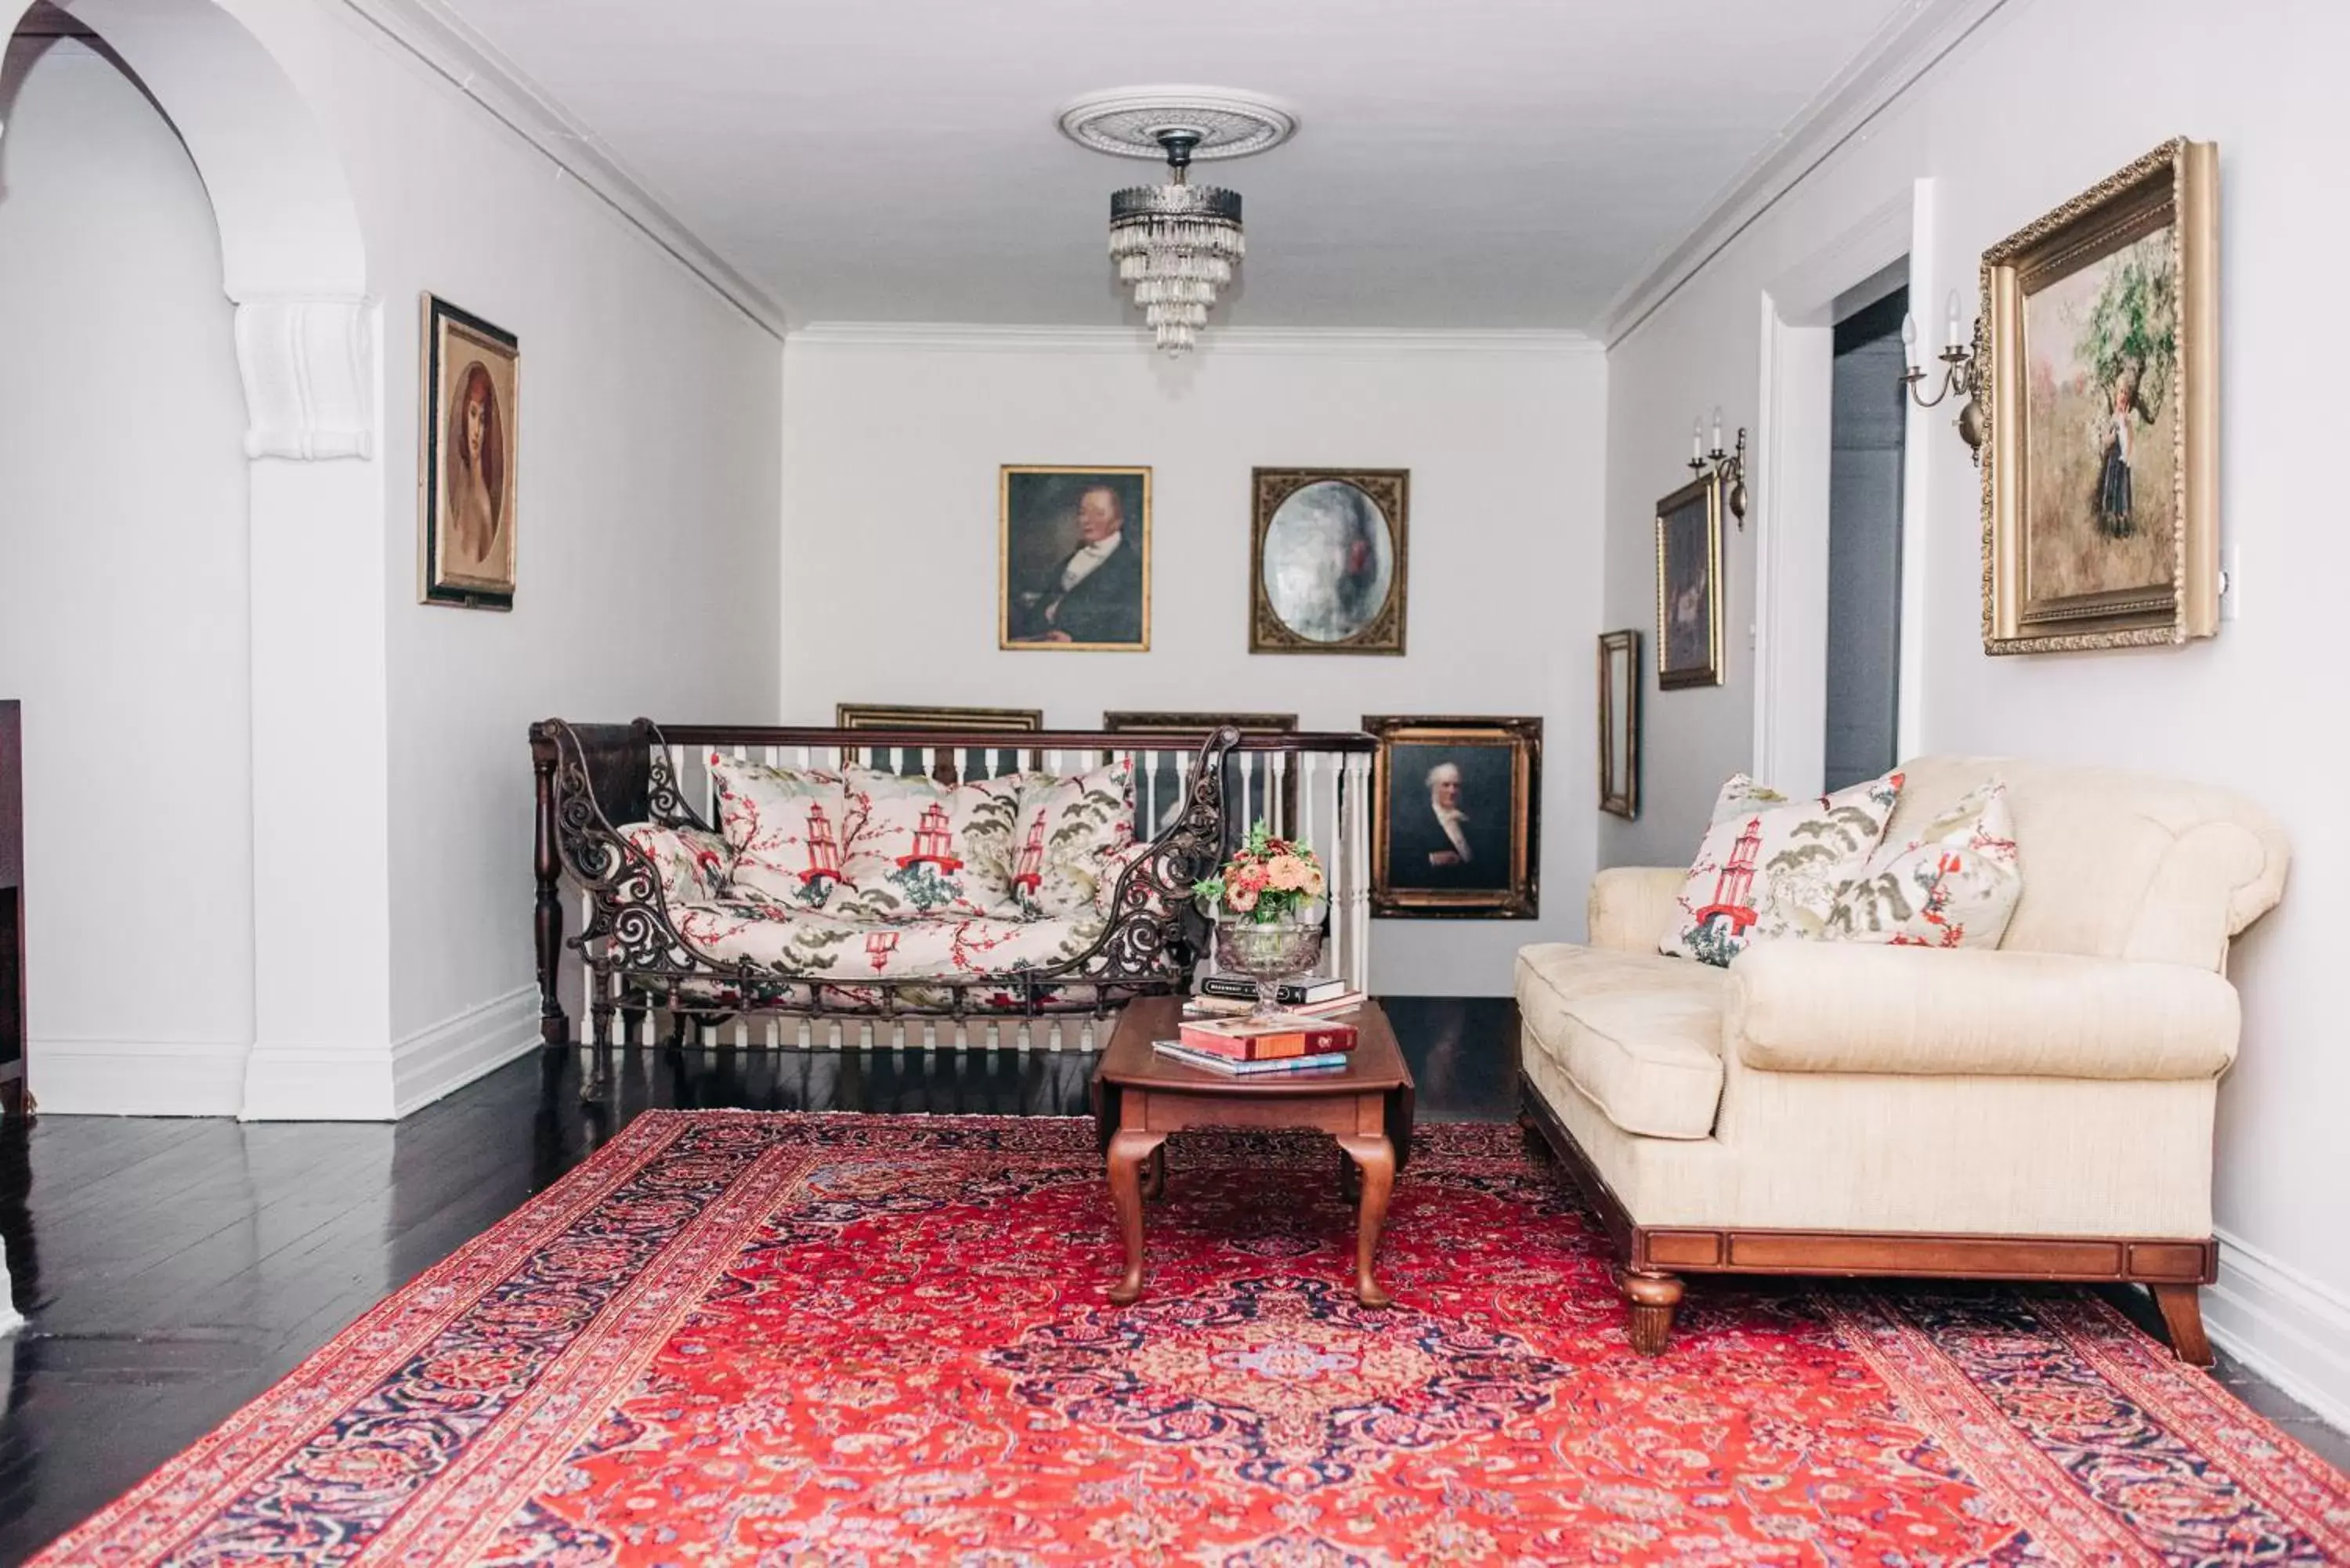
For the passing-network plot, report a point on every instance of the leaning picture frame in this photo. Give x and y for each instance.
(1456, 817)
(1689, 586)
(2101, 469)
(946, 721)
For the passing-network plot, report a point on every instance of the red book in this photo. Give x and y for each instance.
(1267, 1039)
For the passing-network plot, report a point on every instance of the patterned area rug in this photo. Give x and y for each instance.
(743, 1338)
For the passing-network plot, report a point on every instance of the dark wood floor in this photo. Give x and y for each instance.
(173, 1269)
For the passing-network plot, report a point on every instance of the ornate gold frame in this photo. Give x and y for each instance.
(432, 421)
(953, 721)
(1708, 488)
(2175, 186)
(1003, 638)
(1390, 490)
(1521, 899)
(1626, 802)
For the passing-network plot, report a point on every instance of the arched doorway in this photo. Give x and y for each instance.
(305, 342)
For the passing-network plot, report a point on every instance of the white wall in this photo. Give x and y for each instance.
(890, 454)
(650, 430)
(123, 606)
(2043, 101)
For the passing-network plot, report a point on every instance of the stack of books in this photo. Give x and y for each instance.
(1243, 1047)
(1228, 994)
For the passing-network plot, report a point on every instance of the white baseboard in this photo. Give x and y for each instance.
(137, 1078)
(2283, 1325)
(455, 1052)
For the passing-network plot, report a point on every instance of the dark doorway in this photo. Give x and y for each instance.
(1866, 421)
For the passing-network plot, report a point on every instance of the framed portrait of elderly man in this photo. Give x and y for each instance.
(1456, 817)
(1073, 559)
(1326, 566)
(471, 420)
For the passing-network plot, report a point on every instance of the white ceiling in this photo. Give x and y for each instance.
(1460, 163)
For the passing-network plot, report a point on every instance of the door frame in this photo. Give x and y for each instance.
(1796, 353)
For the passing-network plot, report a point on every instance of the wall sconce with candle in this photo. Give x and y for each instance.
(1966, 370)
(1729, 467)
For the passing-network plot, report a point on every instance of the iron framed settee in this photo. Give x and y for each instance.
(595, 782)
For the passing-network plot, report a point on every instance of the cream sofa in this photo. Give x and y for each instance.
(2043, 1110)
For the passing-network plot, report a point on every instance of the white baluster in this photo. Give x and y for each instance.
(1276, 796)
(803, 758)
(775, 1032)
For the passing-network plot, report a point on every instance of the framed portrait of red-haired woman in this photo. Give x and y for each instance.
(467, 473)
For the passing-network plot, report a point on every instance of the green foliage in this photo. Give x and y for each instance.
(2132, 333)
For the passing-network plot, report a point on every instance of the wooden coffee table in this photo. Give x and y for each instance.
(1139, 1096)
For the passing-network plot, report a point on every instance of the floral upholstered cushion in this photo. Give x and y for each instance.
(910, 847)
(1954, 885)
(784, 827)
(1069, 829)
(1767, 860)
(802, 943)
(691, 864)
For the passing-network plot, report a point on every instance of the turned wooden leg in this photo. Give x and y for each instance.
(1652, 1298)
(1375, 1158)
(2182, 1314)
(1127, 1150)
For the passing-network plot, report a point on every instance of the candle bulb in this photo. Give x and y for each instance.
(1696, 441)
(1908, 341)
(1717, 426)
(1954, 318)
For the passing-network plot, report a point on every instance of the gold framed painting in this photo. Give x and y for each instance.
(1689, 586)
(469, 460)
(2101, 475)
(1073, 559)
(1456, 817)
(1619, 723)
(1327, 556)
(976, 763)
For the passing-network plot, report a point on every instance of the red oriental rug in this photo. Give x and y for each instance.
(742, 1338)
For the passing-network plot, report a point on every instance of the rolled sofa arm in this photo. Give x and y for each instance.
(1632, 905)
(1848, 1007)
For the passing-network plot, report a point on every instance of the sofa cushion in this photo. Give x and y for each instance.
(1639, 1035)
(1766, 858)
(690, 865)
(1953, 884)
(911, 848)
(1071, 828)
(800, 942)
(784, 827)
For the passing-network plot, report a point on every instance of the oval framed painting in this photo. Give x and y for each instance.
(1326, 566)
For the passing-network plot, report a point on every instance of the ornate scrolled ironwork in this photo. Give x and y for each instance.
(1147, 946)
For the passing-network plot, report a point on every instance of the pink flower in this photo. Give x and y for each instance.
(1242, 897)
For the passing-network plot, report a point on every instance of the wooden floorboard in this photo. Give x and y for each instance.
(174, 1268)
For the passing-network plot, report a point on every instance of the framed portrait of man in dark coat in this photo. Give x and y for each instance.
(1456, 807)
(1074, 559)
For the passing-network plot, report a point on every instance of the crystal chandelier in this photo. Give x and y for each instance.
(1176, 244)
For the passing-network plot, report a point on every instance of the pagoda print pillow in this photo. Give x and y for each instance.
(1072, 831)
(1955, 885)
(910, 847)
(783, 826)
(1767, 860)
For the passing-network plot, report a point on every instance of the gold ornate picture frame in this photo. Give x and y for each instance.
(946, 721)
(1329, 559)
(1073, 559)
(2101, 471)
(1689, 586)
(1619, 723)
(469, 461)
(1456, 817)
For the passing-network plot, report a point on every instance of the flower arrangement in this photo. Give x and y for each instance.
(1267, 879)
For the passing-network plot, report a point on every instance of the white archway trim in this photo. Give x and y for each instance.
(310, 377)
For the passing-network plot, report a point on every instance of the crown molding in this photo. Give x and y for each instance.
(1909, 44)
(450, 47)
(973, 337)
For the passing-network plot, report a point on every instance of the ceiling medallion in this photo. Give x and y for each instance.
(1176, 244)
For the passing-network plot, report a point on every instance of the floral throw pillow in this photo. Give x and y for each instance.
(1766, 860)
(691, 865)
(783, 825)
(1070, 834)
(910, 847)
(1955, 885)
